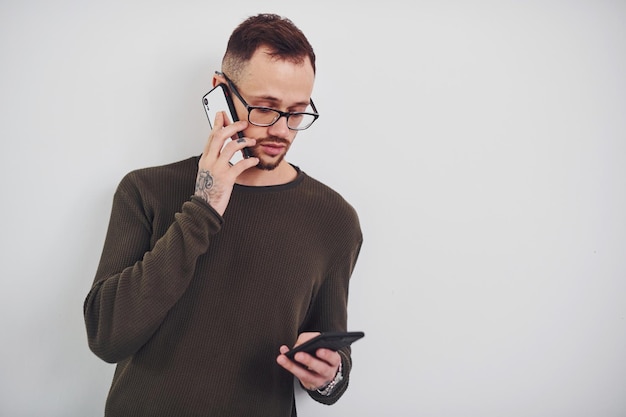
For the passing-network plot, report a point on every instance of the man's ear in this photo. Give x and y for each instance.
(218, 78)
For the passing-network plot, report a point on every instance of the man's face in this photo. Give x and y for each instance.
(282, 85)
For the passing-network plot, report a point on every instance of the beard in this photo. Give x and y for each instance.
(269, 165)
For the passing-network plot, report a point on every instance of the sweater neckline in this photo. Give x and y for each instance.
(280, 187)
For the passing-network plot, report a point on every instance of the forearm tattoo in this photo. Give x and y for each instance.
(204, 184)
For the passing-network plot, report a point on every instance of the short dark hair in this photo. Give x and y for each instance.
(279, 34)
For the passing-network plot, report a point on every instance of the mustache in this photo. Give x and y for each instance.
(272, 139)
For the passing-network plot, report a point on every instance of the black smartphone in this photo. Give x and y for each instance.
(219, 99)
(329, 340)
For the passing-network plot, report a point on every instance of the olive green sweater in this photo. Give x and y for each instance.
(193, 306)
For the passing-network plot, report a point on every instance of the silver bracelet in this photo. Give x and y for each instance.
(330, 387)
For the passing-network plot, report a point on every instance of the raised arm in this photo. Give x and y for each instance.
(136, 285)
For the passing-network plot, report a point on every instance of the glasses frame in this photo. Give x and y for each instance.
(285, 114)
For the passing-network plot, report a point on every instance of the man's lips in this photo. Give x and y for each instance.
(272, 148)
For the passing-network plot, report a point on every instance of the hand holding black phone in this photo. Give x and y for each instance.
(329, 340)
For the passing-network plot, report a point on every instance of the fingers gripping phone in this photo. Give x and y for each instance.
(329, 340)
(217, 100)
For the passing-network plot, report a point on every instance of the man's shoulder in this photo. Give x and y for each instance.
(332, 199)
(322, 188)
(332, 211)
(154, 179)
(171, 168)
(182, 168)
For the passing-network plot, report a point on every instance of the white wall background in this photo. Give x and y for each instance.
(483, 143)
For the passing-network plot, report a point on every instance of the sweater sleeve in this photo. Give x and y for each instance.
(330, 314)
(136, 285)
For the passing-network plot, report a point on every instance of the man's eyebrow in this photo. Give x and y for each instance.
(276, 100)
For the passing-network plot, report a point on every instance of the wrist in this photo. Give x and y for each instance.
(328, 389)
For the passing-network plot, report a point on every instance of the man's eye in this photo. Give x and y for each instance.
(264, 111)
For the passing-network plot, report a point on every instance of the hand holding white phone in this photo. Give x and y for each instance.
(217, 100)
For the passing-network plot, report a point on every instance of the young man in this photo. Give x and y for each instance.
(211, 271)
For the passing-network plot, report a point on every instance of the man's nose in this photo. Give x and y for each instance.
(279, 128)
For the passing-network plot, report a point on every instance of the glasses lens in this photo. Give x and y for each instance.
(300, 121)
(267, 117)
(263, 117)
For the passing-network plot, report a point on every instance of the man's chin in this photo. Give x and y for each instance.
(266, 167)
(269, 165)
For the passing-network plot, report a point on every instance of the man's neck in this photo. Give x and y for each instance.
(254, 177)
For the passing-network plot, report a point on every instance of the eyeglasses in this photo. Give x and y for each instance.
(267, 116)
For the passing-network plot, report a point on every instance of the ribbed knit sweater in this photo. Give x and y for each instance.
(193, 306)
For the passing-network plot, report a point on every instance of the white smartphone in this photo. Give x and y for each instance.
(216, 100)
